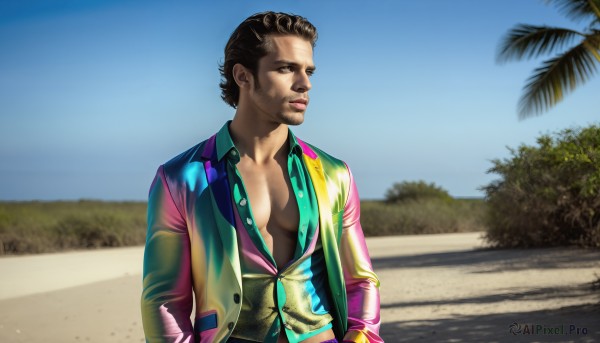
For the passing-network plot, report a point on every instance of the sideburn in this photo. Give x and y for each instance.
(255, 77)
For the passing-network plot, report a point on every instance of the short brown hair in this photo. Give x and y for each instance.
(248, 44)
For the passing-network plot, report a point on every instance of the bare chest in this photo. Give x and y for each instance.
(273, 206)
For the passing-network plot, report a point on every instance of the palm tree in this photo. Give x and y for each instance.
(561, 74)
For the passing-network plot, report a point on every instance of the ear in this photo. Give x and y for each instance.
(242, 76)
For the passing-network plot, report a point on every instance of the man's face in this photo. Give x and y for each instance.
(280, 91)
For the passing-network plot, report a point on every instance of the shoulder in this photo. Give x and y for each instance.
(336, 172)
(329, 162)
(186, 166)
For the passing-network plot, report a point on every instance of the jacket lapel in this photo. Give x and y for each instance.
(216, 174)
(327, 235)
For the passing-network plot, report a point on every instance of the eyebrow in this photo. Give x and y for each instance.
(311, 67)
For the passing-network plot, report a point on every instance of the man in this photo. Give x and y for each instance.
(262, 228)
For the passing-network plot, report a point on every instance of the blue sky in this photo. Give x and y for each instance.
(94, 95)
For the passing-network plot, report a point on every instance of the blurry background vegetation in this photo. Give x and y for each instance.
(38, 227)
(421, 208)
(549, 194)
(546, 195)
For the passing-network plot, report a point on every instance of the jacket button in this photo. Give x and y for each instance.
(230, 325)
(236, 298)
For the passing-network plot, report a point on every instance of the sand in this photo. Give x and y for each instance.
(434, 288)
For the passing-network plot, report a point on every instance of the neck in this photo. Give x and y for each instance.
(259, 140)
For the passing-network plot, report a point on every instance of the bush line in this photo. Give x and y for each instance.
(41, 227)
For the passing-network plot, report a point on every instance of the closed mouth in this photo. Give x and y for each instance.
(300, 101)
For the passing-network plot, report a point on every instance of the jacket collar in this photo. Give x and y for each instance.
(221, 144)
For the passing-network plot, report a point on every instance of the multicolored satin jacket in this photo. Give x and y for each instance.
(191, 246)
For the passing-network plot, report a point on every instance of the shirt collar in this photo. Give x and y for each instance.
(225, 146)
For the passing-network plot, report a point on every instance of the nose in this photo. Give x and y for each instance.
(302, 83)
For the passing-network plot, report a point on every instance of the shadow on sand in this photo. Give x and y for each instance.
(517, 294)
(496, 327)
(495, 260)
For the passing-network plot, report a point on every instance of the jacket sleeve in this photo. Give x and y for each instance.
(167, 287)
(362, 285)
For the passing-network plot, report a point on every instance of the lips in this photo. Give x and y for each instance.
(299, 104)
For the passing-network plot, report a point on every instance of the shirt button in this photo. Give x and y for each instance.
(301, 194)
(236, 298)
(230, 325)
(285, 309)
(243, 202)
(249, 221)
(233, 153)
(287, 326)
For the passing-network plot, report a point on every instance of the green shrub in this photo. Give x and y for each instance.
(548, 195)
(37, 227)
(415, 190)
(425, 216)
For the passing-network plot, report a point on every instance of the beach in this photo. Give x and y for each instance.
(434, 288)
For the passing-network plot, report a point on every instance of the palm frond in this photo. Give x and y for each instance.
(557, 77)
(528, 41)
(592, 42)
(578, 9)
